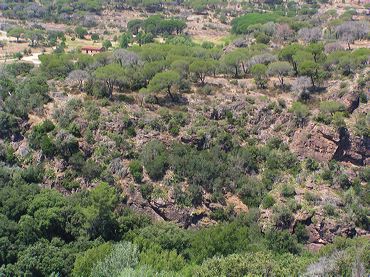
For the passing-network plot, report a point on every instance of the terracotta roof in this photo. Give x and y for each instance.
(92, 48)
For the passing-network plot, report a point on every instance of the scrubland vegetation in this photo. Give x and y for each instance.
(164, 155)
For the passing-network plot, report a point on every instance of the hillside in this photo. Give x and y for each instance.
(199, 138)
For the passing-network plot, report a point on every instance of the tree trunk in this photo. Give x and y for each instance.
(244, 68)
(295, 68)
(312, 80)
(110, 89)
(169, 93)
(202, 78)
(281, 81)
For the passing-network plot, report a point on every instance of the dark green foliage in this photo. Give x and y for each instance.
(167, 235)
(9, 125)
(344, 181)
(365, 174)
(312, 164)
(162, 260)
(33, 174)
(56, 66)
(136, 170)
(287, 190)
(223, 239)
(240, 24)
(29, 94)
(282, 242)
(91, 170)
(156, 25)
(85, 261)
(282, 217)
(80, 32)
(301, 233)
(39, 138)
(268, 201)
(146, 190)
(154, 157)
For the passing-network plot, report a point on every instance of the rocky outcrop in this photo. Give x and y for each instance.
(316, 141)
(355, 150)
(219, 112)
(325, 230)
(170, 212)
(324, 143)
(351, 101)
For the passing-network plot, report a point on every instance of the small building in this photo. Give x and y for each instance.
(92, 49)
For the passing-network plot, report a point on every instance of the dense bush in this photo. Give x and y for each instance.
(136, 170)
(154, 157)
(241, 24)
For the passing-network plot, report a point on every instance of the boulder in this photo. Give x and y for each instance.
(323, 143)
(316, 141)
(351, 101)
(356, 150)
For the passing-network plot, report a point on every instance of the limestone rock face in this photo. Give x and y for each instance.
(351, 101)
(324, 143)
(316, 141)
(356, 150)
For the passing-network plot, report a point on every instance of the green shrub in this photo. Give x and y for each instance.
(268, 201)
(91, 170)
(136, 170)
(329, 210)
(326, 175)
(283, 241)
(365, 174)
(146, 190)
(311, 197)
(123, 254)
(8, 125)
(240, 24)
(85, 261)
(47, 146)
(344, 182)
(312, 165)
(288, 190)
(301, 233)
(282, 217)
(154, 158)
(33, 174)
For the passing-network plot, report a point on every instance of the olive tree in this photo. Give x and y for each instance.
(310, 69)
(310, 34)
(301, 86)
(262, 59)
(164, 81)
(201, 68)
(78, 76)
(287, 53)
(232, 62)
(283, 31)
(125, 57)
(352, 30)
(110, 74)
(16, 32)
(280, 70)
(35, 36)
(259, 72)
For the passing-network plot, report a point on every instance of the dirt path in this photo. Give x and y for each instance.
(34, 58)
